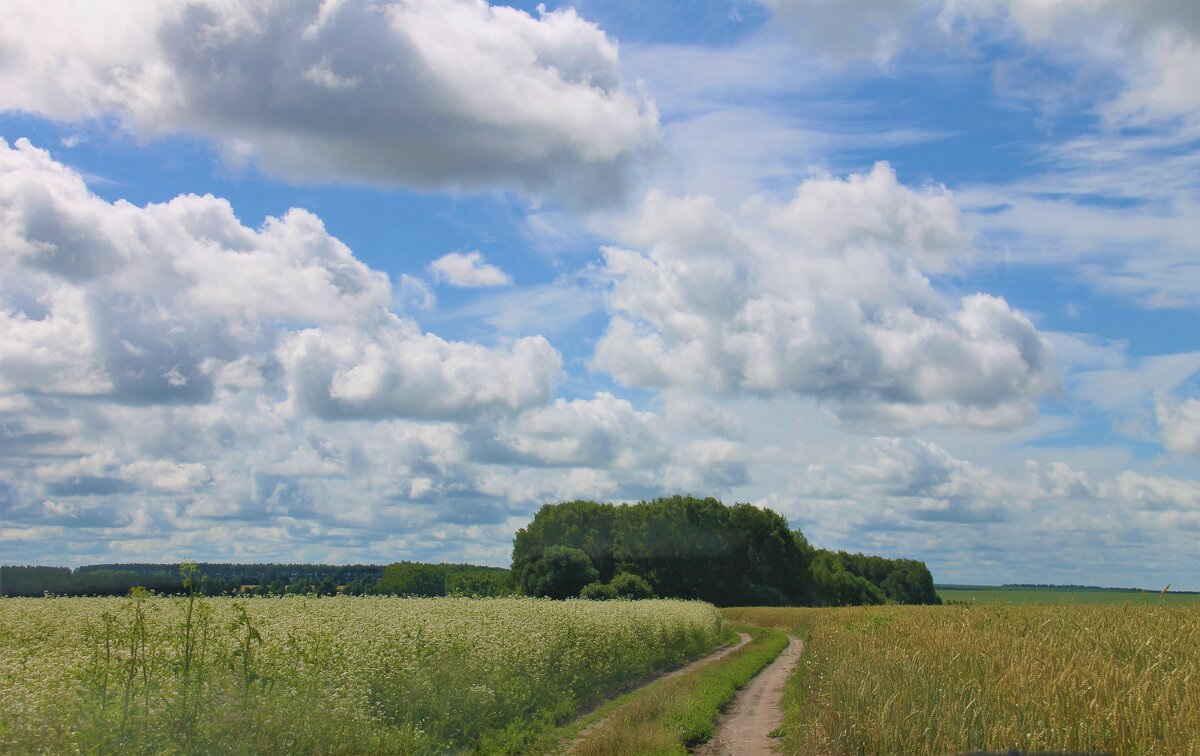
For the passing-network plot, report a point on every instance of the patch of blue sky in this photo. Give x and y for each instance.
(1057, 300)
(393, 230)
(695, 22)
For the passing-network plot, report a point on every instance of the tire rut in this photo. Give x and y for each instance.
(745, 728)
(743, 639)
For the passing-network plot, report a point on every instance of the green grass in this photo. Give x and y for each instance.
(668, 716)
(986, 595)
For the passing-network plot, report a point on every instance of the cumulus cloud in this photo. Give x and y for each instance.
(171, 302)
(396, 371)
(423, 93)
(602, 432)
(468, 270)
(825, 295)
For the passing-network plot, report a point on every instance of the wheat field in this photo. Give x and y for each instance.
(1079, 679)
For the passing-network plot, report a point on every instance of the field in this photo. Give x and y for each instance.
(327, 675)
(1086, 679)
(986, 595)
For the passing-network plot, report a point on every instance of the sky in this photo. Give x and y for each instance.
(368, 281)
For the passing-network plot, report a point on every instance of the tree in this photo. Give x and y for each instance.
(630, 586)
(584, 525)
(560, 572)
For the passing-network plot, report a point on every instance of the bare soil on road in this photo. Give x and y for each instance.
(746, 726)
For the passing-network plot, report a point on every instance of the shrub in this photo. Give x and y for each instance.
(598, 592)
(628, 585)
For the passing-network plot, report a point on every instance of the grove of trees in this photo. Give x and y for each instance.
(687, 547)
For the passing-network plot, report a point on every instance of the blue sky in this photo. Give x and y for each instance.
(368, 281)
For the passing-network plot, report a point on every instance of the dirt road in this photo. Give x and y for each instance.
(743, 639)
(745, 727)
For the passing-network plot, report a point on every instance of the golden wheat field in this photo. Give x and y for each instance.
(327, 675)
(1081, 679)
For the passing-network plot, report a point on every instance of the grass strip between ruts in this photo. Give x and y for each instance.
(669, 715)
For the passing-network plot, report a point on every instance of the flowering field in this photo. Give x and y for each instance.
(995, 678)
(329, 675)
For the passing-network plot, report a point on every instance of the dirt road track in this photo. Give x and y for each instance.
(746, 726)
(743, 639)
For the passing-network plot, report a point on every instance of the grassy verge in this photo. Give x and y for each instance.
(668, 716)
(991, 678)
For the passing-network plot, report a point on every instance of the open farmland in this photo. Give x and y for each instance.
(329, 675)
(1024, 595)
(1084, 679)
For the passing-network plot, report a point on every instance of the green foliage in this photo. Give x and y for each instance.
(217, 579)
(412, 579)
(598, 592)
(672, 715)
(433, 580)
(686, 547)
(630, 586)
(845, 579)
(559, 572)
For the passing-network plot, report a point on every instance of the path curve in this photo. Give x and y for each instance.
(743, 639)
(746, 726)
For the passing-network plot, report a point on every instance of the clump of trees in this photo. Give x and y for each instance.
(419, 579)
(687, 547)
(623, 586)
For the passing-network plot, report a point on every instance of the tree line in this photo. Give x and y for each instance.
(264, 579)
(687, 547)
(678, 547)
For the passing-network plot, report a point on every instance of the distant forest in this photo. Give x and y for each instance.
(1051, 587)
(216, 579)
(679, 547)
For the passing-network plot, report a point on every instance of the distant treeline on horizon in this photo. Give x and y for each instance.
(220, 578)
(1050, 587)
(673, 547)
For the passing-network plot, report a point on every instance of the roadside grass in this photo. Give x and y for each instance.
(668, 716)
(991, 678)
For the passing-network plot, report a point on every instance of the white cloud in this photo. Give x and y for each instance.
(1180, 424)
(172, 302)
(468, 270)
(822, 296)
(603, 432)
(390, 369)
(424, 93)
(877, 30)
(1153, 48)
